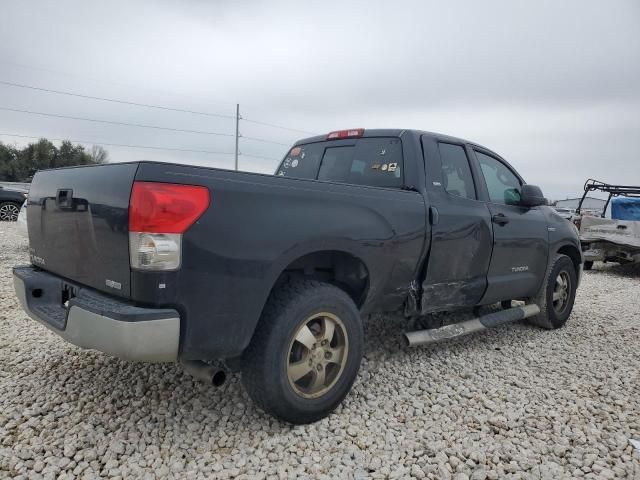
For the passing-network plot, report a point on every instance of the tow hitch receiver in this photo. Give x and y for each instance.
(433, 335)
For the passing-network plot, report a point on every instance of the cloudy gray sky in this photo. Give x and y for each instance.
(552, 86)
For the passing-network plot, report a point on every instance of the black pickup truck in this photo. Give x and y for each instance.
(274, 273)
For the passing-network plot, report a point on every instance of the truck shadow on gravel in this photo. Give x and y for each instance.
(631, 270)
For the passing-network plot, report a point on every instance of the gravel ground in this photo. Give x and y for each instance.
(515, 402)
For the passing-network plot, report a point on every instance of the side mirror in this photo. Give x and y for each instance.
(531, 196)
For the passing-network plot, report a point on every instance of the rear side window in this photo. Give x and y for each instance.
(502, 183)
(456, 173)
(376, 162)
(302, 161)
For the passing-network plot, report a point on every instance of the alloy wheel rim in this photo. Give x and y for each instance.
(317, 355)
(9, 212)
(561, 291)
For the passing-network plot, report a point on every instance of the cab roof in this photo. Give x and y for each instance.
(386, 132)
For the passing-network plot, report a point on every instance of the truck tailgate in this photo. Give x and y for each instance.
(78, 219)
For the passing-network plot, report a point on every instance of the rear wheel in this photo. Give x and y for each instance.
(588, 265)
(557, 294)
(9, 211)
(305, 353)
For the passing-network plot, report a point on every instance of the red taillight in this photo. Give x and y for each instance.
(354, 132)
(165, 207)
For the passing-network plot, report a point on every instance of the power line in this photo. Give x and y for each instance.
(130, 85)
(264, 141)
(127, 102)
(161, 107)
(111, 82)
(140, 125)
(257, 156)
(272, 125)
(113, 100)
(125, 84)
(152, 147)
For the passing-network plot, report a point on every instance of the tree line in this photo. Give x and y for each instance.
(19, 164)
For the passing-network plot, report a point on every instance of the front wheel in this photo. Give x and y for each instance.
(557, 294)
(588, 264)
(305, 353)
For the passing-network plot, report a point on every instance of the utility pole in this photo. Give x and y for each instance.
(237, 131)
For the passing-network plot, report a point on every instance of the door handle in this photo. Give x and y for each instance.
(64, 198)
(500, 218)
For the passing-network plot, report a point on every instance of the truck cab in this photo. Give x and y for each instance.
(488, 236)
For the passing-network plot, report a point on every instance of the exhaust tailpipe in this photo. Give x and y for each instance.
(209, 374)
(424, 337)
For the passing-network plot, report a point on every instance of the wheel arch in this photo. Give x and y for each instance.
(338, 267)
(573, 253)
(335, 263)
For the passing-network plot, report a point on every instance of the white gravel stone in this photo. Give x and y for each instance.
(514, 402)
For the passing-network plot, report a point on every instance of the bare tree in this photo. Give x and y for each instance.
(98, 154)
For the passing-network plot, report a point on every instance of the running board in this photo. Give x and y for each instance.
(433, 335)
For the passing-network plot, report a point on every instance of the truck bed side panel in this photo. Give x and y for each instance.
(256, 226)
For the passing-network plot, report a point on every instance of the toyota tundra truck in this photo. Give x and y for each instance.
(275, 274)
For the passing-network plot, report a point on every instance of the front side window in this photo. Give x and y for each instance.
(456, 173)
(502, 183)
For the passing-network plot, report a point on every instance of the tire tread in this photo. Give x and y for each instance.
(255, 370)
(543, 319)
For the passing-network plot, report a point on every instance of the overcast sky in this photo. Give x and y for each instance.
(552, 86)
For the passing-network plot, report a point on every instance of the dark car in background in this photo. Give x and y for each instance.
(10, 203)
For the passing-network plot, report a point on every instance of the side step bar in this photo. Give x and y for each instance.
(433, 335)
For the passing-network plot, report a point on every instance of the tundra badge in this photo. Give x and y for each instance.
(113, 284)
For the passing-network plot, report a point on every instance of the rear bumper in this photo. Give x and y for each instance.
(95, 321)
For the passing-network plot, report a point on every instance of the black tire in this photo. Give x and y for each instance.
(506, 304)
(9, 211)
(554, 315)
(588, 265)
(266, 361)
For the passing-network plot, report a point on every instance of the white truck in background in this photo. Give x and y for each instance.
(615, 239)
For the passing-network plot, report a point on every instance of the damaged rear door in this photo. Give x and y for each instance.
(461, 235)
